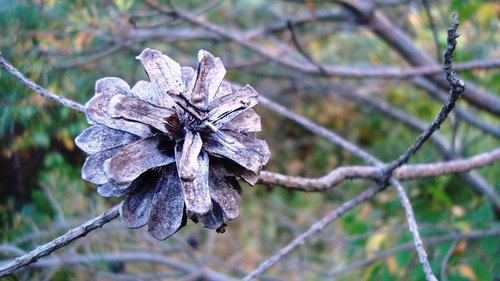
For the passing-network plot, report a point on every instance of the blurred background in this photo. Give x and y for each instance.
(320, 55)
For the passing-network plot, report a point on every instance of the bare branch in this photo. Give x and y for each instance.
(73, 234)
(315, 228)
(301, 49)
(444, 264)
(399, 41)
(141, 256)
(457, 87)
(410, 217)
(318, 130)
(77, 62)
(474, 180)
(37, 88)
(427, 9)
(380, 25)
(406, 172)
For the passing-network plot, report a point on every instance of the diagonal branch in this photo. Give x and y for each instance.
(301, 49)
(319, 130)
(73, 234)
(37, 88)
(412, 224)
(457, 87)
(315, 228)
(205, 273)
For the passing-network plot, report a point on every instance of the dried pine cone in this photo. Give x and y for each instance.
(176, 146)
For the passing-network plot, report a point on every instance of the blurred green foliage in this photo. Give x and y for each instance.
(40, 166)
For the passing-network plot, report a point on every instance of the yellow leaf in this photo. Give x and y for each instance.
(487, 12)
(466, 272)
(68, 143)
(392, 265)
(374, 243)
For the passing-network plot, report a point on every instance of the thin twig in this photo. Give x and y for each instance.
(142, 256)
(319, 130)
(412, 224)
(315, 228)
(301, 50)
(37, 88)
(444, 265)
(174, 20)
(427, 9)
(95, 57)
(61, 241)
(457, 87)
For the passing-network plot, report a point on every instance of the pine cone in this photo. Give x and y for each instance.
(175, 146)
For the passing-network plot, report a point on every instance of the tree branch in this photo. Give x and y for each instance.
(37, 88)
(444, 265)
(457, 87)
(301, 50)
(399, 41)
(406, 172)
(61, 241)
(412, 224)
(319, 130)
(379, 24)
(315, 228)
(153, 258)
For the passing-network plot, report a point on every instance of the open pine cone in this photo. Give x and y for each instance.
(176, 146)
